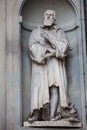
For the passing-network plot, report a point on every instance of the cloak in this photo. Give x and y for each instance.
(49, 72)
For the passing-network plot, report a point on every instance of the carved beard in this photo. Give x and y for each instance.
(48, 22)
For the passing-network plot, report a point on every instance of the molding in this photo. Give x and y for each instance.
(67, 28)
(74, 3)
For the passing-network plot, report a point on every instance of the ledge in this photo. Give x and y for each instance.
(59, 123)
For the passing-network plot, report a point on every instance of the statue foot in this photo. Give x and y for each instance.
(57, 117)
(32, 119)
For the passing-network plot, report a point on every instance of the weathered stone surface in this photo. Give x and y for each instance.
(14, 97)
(59, 123)
(48, 48)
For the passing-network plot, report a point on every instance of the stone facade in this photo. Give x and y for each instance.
(14, 104)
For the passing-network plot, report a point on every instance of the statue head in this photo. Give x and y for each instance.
(49, 17)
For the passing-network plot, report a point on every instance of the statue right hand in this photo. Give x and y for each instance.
(48, 37)
(44, 35)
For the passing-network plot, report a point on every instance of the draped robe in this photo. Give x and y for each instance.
(50, 72)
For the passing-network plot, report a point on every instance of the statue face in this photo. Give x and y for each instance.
(49, 18)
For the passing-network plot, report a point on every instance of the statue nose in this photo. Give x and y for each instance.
(48, 16)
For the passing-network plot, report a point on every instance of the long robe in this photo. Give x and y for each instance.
(52, 72)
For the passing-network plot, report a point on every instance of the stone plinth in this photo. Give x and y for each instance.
(60, 123)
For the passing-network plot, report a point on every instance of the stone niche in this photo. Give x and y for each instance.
(68, 17)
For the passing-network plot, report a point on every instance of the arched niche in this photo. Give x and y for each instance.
(67, 16)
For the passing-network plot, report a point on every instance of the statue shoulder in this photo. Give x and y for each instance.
(59, 29)
(35, 30)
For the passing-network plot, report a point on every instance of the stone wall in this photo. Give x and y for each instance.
(13, 100)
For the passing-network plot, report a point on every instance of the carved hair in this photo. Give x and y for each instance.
(49, 10)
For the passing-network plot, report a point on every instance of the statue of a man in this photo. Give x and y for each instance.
(48, 47)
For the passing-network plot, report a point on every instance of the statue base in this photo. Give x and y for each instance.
(59, 123)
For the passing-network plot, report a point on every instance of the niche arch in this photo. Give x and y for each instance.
(72, 2)
(71, 26)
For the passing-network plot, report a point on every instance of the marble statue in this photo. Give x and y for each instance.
(48, 48)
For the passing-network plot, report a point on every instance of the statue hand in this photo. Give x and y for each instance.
(51, 50)
(49, 38)
(50, 53)
(45, 35)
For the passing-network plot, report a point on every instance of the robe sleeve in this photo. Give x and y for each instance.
(35, 48)
(62, 45)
